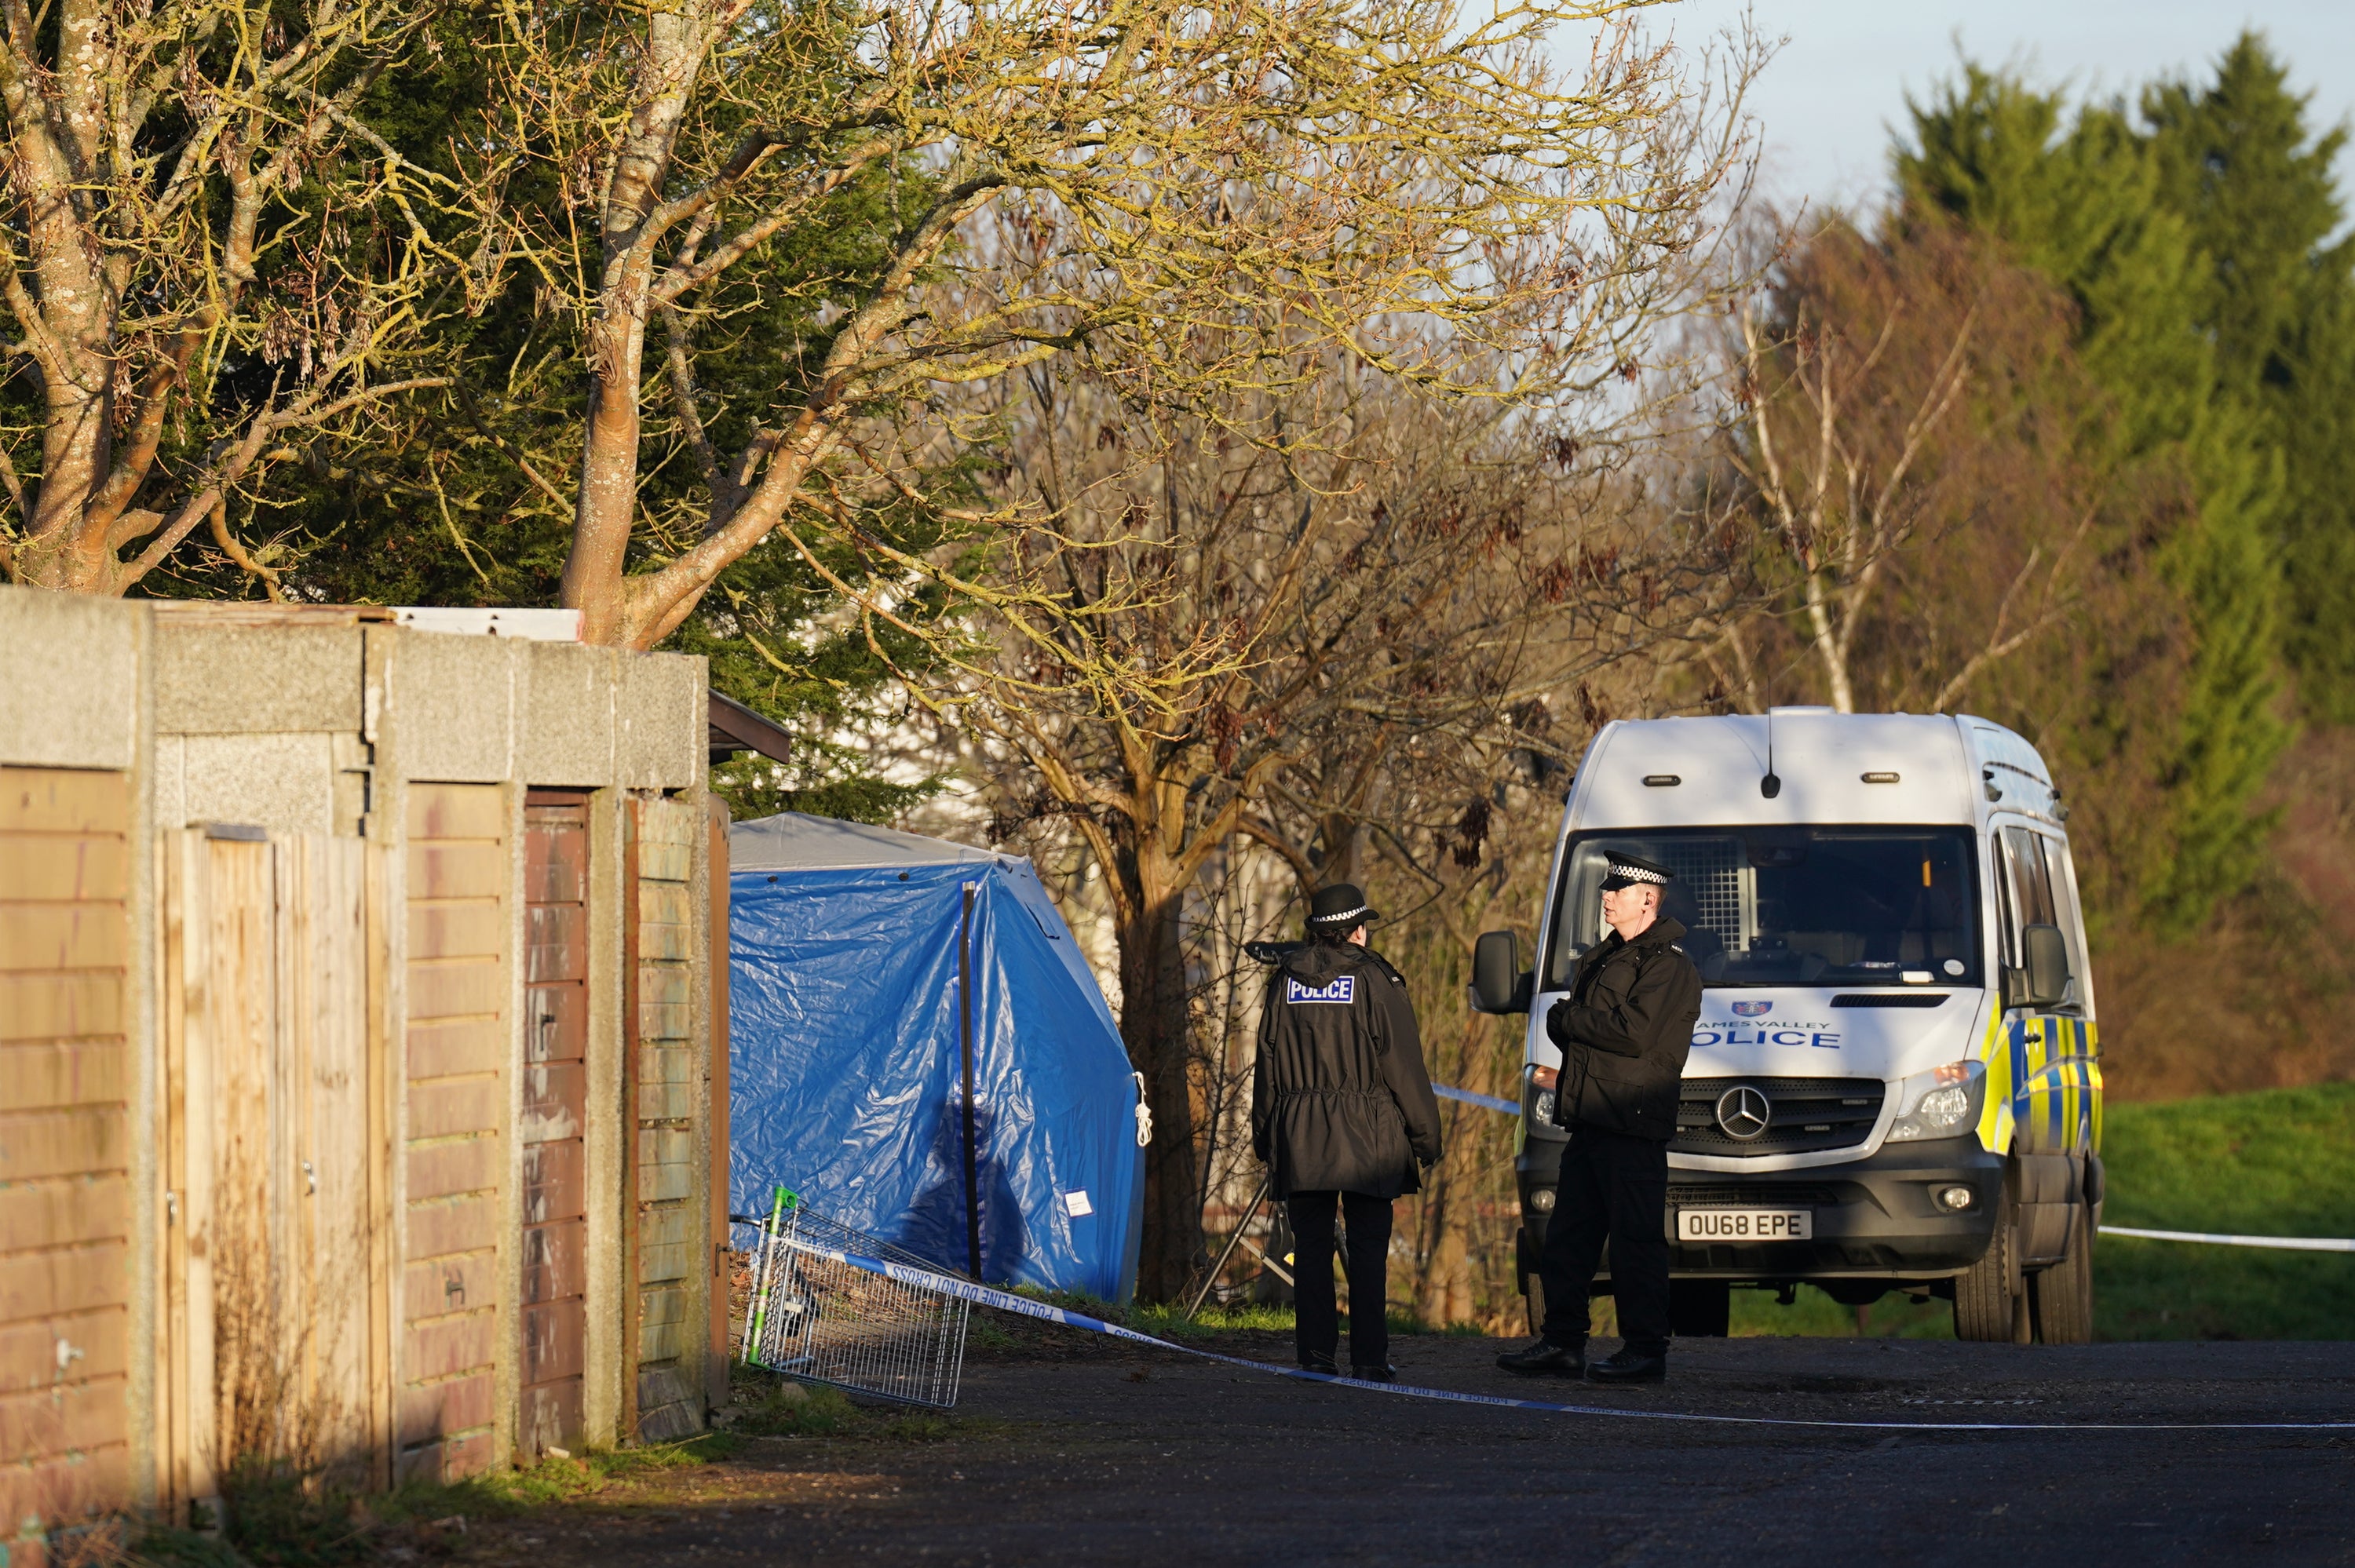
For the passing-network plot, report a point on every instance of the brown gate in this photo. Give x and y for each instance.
(555, 1111)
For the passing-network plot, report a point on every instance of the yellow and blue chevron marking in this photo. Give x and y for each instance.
(2043, 1085)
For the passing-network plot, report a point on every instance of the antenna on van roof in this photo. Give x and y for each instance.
(1772, 785)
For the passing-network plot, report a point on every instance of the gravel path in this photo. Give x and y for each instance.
(1075, 1451)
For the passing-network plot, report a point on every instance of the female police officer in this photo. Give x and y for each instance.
(1624, 1031)
(1342, 1112)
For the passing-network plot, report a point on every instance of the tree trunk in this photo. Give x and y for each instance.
(1829, 648)
(1154, 1026)
(678, 40)
(72, 334)
(607, 502)
(1443, 1293)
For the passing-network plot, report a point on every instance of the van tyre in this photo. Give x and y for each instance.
(1700, 1308)
(2062, 1295)
(1990, 1305)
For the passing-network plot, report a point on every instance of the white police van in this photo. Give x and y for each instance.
(1893, 1083)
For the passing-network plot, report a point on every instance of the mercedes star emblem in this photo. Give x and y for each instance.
(1744, 1113)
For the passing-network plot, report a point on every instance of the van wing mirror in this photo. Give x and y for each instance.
(1499, 984)
(2045, 976)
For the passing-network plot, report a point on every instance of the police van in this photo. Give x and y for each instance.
(1894, 1082)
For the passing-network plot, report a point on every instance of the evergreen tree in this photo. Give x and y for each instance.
(2315, 420)
(2081, 202)
(2236, 161)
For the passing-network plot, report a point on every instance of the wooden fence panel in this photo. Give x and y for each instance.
(320, 1121)
(66, 1268)
(232, 1038)
(671, 1265)
(553, 1309)
(186, 1398)
(716, 1363)
(459, 1048)
(264, 1116)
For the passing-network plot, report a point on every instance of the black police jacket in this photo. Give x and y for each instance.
(1340, 1100)
(1624, 1031)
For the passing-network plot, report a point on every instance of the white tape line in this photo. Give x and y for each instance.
(2285, 1244)
(1006, 1301)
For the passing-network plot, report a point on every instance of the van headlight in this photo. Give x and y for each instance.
(1944, 1102)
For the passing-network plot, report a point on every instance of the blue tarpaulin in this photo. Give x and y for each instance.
(846, 1052)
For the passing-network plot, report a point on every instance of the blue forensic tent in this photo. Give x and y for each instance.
(847, 1046)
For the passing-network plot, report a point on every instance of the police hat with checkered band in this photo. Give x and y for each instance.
(1635, 871)
(1337, 909)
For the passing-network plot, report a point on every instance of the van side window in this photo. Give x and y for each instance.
(2006, 922)
(2031, 884)
(2031, 867)
(2072, 926)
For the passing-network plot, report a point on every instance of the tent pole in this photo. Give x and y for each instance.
(964, 1044)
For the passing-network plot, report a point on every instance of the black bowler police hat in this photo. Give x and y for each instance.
(1339, 908)
(1635, 871)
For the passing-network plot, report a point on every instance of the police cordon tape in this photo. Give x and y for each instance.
(1489, 1102)
(1006, 1301)
(2287, 1244)
(2282, 1244)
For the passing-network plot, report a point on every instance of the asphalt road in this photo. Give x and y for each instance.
(1093, 1453)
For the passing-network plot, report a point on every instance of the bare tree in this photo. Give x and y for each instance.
(1838, 501)
(1324, 639)
(1924, 462)
(183, 298)
(1453, 885)
(1191, 195)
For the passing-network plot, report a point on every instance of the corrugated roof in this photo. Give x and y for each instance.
(792, 840)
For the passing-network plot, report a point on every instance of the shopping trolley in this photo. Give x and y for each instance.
(815, 1316)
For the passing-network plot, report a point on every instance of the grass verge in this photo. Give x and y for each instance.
(2280, 1163)
(280, 1518)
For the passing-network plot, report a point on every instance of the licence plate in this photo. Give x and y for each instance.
(1746, 1225)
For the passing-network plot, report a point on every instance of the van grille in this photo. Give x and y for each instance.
(1756, 1195)
(1804, 1115)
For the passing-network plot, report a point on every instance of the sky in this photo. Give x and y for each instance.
(1831, 97)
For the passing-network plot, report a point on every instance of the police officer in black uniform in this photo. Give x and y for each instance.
(1624, 1031)
(1343, 1113)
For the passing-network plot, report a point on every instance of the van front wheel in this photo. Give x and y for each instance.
(1986, 1298)
(2064, 1294)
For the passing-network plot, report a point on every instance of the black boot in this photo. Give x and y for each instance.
(1630, 1366)
(1375, 1374)
(1545, 1358)
(1311, 1361)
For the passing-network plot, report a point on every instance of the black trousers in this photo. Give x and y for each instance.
(1612, 1187)
(1318, 1322)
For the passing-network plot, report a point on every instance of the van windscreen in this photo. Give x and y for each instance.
(1810, 906)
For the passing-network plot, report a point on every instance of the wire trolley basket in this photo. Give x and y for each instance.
(818, 1319)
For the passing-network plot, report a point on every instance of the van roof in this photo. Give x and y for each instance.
(1925, 767)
